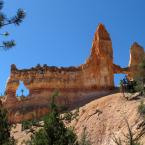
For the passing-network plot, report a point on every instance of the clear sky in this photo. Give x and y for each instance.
(60, 32)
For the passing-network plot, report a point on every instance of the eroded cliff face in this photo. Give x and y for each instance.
(99, 66)
(73, 83)
(137, 54)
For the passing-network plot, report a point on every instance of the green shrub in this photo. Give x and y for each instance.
(69, 116)
(29, 123)
(54, 131)
(5, 127)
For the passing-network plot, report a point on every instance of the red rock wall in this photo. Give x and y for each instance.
(73, 83)
(96, 73)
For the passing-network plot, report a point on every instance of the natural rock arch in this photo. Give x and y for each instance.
(22, 90)
(73, 83)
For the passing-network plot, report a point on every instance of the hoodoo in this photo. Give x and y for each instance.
(73, 83)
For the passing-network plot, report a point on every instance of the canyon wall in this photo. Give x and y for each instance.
(73, 83)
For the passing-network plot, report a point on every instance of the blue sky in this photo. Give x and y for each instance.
(60, 32)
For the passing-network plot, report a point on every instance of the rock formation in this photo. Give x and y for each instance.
(137, 54)
(73, 83)
(98, 68)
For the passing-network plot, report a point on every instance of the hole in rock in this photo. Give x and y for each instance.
(117, 78)
(22, 91)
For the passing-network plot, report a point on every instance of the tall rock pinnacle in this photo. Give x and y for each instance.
(102, 45)
(100, 60)
(101, 33)
(136, 54)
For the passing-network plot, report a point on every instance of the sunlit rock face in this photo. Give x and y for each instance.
(98, 69)
(73, 83)
(137, 54)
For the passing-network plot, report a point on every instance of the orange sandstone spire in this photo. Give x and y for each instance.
(102, 44)
(101, 33)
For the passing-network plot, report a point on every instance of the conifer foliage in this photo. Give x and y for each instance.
(4, 21)
(54, 131)
(5, 138)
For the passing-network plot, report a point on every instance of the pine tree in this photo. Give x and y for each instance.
(54, 131)
(5, 127)
(5, 138)
(4, 21)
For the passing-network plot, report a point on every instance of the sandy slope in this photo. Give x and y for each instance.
(102, 118)
(105, 117)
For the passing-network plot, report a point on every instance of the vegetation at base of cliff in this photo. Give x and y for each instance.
(54, 131)
(69, 116)
(136, 85)
(5, 127)
(127, 86)
(4, 21)
(29, 123)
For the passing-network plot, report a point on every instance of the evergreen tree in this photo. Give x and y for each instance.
(54, 131)
(4, 21)
(5, 127)
(5, 138)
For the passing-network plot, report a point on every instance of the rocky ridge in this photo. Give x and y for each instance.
(73, 83)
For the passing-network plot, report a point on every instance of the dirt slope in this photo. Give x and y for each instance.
(105, 117)
(102, 118)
